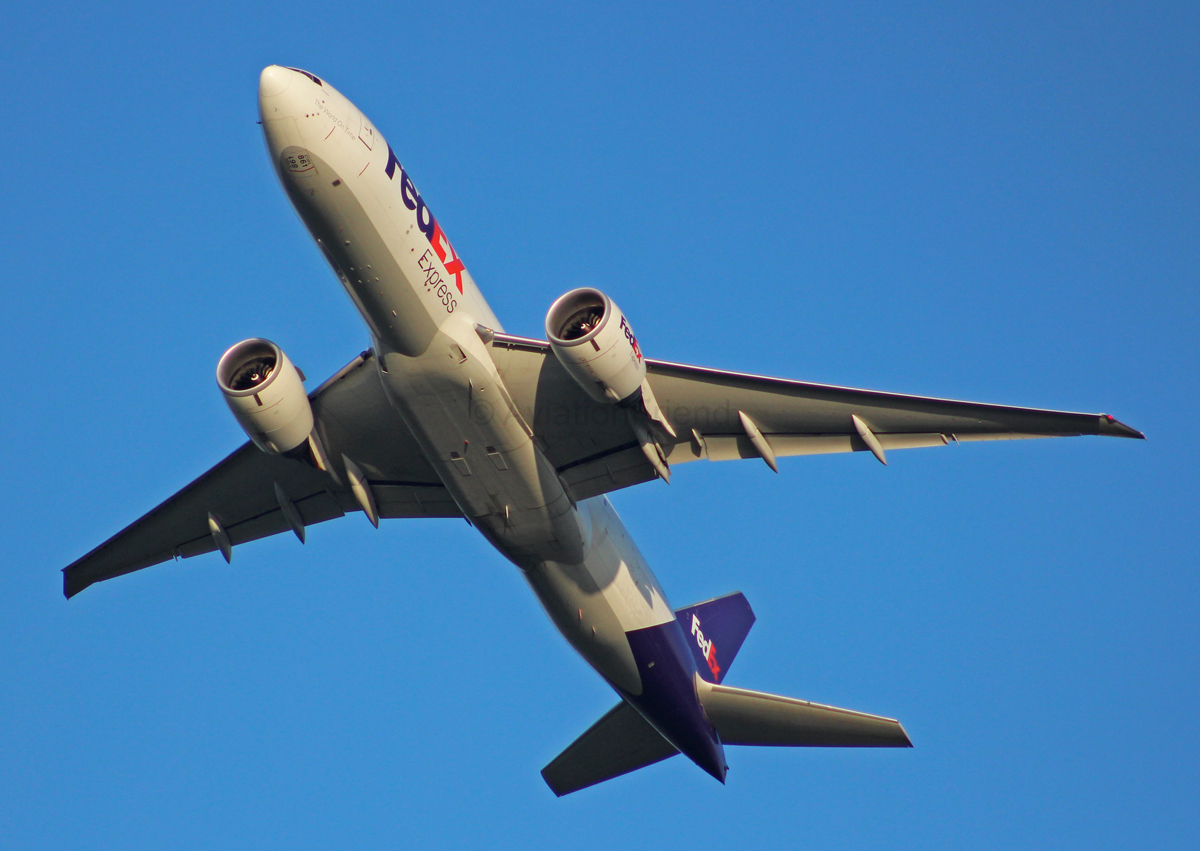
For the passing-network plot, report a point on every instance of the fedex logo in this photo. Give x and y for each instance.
(708, 648)
(637, 350)
(425, 221)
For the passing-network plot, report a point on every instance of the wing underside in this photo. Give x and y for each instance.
(718, 415)
(246, 493)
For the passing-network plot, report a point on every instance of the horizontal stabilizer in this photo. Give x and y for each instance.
(745, 717)
(620, 742)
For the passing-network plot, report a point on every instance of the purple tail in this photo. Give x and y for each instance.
(715, 630)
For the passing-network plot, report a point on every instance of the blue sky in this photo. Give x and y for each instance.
(996, 202)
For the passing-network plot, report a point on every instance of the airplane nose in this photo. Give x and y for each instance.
(274, 81)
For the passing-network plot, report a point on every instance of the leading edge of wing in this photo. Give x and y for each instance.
(1099, 424)
(106, 561)
(242, 493)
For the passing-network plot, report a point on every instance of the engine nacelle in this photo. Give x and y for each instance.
(593, 341)
(266, 394)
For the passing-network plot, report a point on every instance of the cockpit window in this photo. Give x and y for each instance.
(312, 77)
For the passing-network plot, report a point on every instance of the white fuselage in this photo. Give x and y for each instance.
(422, 309)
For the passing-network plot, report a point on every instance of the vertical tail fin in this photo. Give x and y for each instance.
(715, 631)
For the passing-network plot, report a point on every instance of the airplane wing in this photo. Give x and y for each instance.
(249, 492)
(722, 415)
(716, 414)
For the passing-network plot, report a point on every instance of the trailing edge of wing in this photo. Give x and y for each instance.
(179, 527)
(825, 406)
(242, 493)
(595, 451)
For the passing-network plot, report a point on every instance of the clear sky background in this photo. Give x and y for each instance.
(986, 201)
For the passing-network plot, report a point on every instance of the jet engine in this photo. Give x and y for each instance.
(593, 341)
(266, 394)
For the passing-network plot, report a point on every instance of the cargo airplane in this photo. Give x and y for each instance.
(446, 415)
